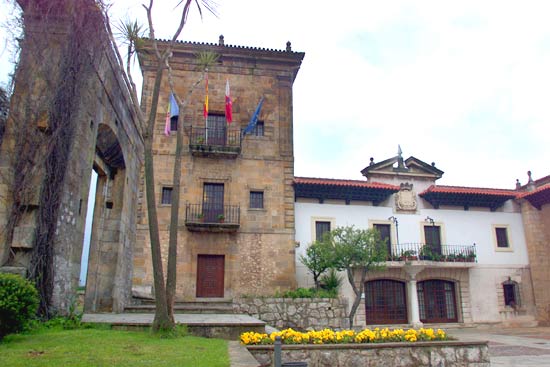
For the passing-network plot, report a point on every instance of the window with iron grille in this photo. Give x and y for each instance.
(502, 237)
(511, 293)
(256, 199)
(166, 197)
(321, 227)
(258, 129)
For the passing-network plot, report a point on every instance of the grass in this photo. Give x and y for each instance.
(97, 347)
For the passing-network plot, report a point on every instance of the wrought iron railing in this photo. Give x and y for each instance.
(422, 251)
(215, 136)
(212, 214)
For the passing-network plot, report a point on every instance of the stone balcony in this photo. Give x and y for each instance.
(216, 143)
(212, 218)
(427, 255)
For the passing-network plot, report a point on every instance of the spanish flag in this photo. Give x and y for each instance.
(205, 111)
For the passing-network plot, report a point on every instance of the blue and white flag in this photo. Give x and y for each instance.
(254, 119)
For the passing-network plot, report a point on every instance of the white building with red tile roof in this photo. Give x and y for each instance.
(455, 254)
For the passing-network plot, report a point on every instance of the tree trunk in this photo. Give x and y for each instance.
(171, 278)
(162, 321)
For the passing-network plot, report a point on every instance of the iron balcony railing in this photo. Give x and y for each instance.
(212, 214)
(215, 137)
(422, 251)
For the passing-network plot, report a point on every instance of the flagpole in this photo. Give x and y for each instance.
(206, 106)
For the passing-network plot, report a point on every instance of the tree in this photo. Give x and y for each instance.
(164, 293)
(320, 256)
(357, 250)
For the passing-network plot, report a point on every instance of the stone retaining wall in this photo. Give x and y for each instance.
(301, 313)
(447, 353)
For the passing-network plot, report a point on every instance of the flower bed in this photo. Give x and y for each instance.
(327, 336)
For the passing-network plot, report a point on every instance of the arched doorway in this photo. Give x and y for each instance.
(437, 301)
(104, 261)
(385, 302)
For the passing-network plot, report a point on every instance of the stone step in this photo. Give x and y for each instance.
(187, 307)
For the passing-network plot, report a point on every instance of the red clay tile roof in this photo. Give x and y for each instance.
(469, 190)
(348, 183)
(538, 197)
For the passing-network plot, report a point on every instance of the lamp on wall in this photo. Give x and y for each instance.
(394, 220)
(430, 220)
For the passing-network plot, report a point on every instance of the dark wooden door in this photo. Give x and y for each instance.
(385, 302)
(437, 301)
(216, 130)
(210, 274)
(432, 234)
(385, 235)
(212, 202)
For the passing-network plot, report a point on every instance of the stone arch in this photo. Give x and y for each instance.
(105, 255)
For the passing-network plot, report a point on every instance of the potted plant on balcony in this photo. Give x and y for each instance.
(408, 255)
(471, 257)
(200, 217)
(200, 140)
(221, 218)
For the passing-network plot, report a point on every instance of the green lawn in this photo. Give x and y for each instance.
(95, 347)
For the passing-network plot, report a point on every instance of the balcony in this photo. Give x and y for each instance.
(215, 142)
(212, 218)
(424, 254)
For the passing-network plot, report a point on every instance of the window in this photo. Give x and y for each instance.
(166, 198)
(256, 199)
(321, 227)
(501, 234)
(258, 129)
(511, 293)
(174, 123)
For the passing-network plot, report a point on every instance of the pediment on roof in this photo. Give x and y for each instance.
(397, 166)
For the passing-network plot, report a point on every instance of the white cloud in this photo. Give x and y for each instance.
(463, 83)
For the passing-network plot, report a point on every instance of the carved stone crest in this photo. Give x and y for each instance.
(405, 199)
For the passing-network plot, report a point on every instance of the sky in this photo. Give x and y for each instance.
(464, 84)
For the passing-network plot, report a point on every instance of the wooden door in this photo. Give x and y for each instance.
(385, 235)
(216, 130)
(212, 202)
(432, 234)
(210, 275)
(437, 301)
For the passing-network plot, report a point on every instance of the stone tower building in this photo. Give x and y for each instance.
(236, 220)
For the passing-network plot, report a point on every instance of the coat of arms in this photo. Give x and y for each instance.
(405, 199)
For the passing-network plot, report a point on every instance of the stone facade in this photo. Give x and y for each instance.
(299, 313)
(258, 251)
(447, 353)
(83, 74)
(537, 233)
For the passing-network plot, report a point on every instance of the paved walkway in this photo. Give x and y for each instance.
(512, 347)
(187, 319)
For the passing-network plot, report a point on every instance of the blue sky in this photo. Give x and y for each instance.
(463, 84)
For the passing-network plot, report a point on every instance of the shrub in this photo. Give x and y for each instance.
(308, 293)
(331, 281)
(18, 303)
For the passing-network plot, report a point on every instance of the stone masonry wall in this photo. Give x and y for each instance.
(449, 353)
(259, 255)
(537, 237)
(300, 313)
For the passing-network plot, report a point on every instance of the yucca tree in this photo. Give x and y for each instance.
(133, 36)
